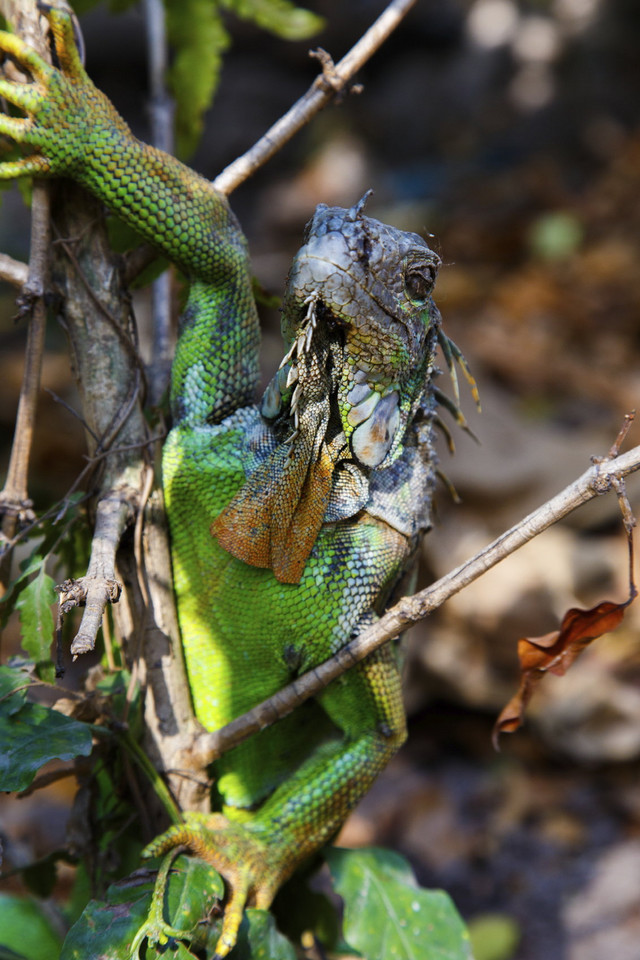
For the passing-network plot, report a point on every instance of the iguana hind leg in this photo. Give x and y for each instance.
(256, 857)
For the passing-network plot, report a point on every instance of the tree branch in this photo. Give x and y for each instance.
(161, 109)
(15, 505)
(600, 478)
(333, 80)
(13, 271)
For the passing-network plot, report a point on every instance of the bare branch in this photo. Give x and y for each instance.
(14, 499)
(161, 108)
(13, 271)
(333, 79)
(99, 586)
(602, 477)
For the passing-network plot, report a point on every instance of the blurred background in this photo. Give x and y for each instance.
(508, 132)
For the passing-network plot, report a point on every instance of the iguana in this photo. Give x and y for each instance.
(292, 521)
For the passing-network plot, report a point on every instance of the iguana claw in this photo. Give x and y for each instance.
(60, 105)
(154, 929)
(240, 857)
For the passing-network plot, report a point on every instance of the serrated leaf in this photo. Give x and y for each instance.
(25, 932)
(199, 37)
(281, 17)
(36, 619)
(107, 927)
(27, 568)
(31, 736)
(385, 906)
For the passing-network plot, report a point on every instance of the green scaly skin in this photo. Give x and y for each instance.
(311, 533)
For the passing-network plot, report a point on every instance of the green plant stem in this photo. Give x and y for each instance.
(140, 758)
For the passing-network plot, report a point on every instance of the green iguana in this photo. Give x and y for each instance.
(292, 521)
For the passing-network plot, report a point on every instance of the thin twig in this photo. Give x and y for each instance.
(100, 586)
(332, 80)
(15, 505)
(598, 479)
(74, 413)
(59, 509)
(134, 679)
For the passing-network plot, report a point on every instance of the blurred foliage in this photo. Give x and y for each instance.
(494, 936)
(26, 930)
(555, 236)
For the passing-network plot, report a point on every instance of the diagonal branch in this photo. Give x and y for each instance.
(600, 478)
(333, 80)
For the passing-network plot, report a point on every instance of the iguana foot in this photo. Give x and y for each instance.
(60, 105)
(243, 859)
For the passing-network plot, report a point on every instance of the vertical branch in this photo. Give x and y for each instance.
(14, 498)
(97, 319)
(161, 108)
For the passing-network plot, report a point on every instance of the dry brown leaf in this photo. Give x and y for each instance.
(555, 652)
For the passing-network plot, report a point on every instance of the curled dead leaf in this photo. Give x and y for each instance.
(555, 652)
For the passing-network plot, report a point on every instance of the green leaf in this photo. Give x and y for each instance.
(12, 680)
(8, 600)
(36, 619)
(31, 735)
(385, 906)
(107, 927)
(199, 38)
(278, 16)
(25, 932)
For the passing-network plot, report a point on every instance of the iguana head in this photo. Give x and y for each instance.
(359, 297)
(361, 330)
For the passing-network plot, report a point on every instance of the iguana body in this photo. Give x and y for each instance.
(292, 522)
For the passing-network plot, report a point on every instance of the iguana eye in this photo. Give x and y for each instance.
(419, 281)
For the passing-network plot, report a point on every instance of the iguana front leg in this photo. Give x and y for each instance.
(73, 130)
